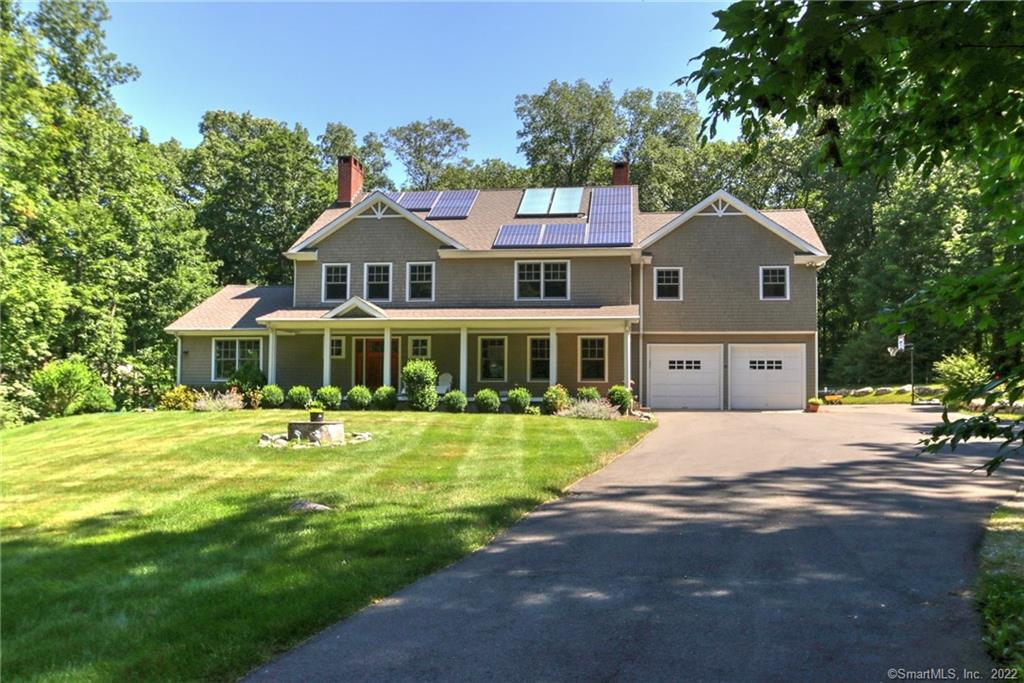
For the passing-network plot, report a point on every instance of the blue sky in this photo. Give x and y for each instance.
(376, 66)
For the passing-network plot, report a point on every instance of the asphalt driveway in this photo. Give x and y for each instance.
(726, 546)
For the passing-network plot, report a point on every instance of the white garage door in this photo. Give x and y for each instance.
(767, 376)
(685, 376)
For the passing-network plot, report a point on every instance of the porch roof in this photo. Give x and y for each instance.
(627, 312)
(235, 307)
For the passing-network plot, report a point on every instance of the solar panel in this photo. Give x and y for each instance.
(611, 216)
(454, 204)
(535, 202)
(419, 201)
(567, 201)
(393, 196)
(563, 234)
(523, 235)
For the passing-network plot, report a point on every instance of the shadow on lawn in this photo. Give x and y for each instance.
(121, 598)
(830, 572)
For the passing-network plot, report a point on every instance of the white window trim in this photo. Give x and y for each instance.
(433, 280)
(579, 359)
(654, 281)
(529, 358)
(430, 349)
(343, 346)
(366, 283)
(213, 354)
(760, 283)
(323, 281)
(479, 359)
(568, 280)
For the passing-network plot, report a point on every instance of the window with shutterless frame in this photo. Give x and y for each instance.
(229, 354)
(419, 347)
(774, 281)
(377, 282)
(419, 281)
(334, 281)
(593, 359)
(668, 283)
(542, 280)
(538, 359)
(492, 359)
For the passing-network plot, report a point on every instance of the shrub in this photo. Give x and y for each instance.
(455, 401)
(16, 401)
(419, 377)
(961, 372)
(299, 396)
(359, 397)
(315, 406)
(588, 394)
(815, 401)
(487, 401)
(68, 387)
(273, 396)
(555, 399)
(532, 410)
(519, 399)
(178, 398)
(254, 398)
(330, 397)
(216, 402)
(246, 378)
(385, 398)
(600, 409)
(141, 380)
(621, 397)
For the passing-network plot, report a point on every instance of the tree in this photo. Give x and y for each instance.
(484, 175)
(424, 147)
(255, 183)
(568, 130)
(888, 86)
(340, 140)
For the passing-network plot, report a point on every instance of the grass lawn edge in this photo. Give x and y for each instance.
(1000, 597)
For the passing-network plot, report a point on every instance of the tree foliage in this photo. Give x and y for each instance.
(424, 147)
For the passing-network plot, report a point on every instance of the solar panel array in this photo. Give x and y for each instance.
(419, 201)
(563, 235)
(393, 196)
(611, 216)
(521, 235)
(535, 201)
(550, 201)
(454, 204)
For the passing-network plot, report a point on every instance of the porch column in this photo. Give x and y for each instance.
(327, 357)
(177, 364)
(553, 356)
(627, 358)
(387, 356)
(272, 357)
(463, 360)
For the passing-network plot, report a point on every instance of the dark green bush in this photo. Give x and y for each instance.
(588, 394)
(621, 397)
(961, 372)
(299, 396)
(330, 397)
(385, 398)
(359, 397)
(69, 387)
(555, 398)
(519, 399)
(419, 377)
(487, 401)
(273, 396)
(141, 380)
(455, 401)
(247, 377)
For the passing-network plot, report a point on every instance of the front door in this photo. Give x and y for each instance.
(370, 361)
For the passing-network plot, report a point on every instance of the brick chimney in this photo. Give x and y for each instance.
(350, 180)
(620, 173)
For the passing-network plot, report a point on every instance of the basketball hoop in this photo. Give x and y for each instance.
(893, 350)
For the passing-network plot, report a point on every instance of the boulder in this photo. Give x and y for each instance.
(359, 437)
(929, 391)
(905, 389)
(329, 435)
(863, 391)
(308, 506)
(882, 391)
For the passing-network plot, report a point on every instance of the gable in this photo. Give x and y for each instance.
(722, 204)
(356, 307)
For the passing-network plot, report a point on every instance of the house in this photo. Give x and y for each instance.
(711, 308)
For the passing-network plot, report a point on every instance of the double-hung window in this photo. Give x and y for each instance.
(668, 284)
(542, 280)
(419, 281)
(335, 282)
(493, 359)
(593, 355)
(377, 282)
(539, 360)
(231, 354)
(774, 283)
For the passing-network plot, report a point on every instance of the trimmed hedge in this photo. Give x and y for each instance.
(519, 400)
(455, 401)
(273, 396)
(487, 401)
(419, 377)
(330, 397)
(555, 399)
(358, 397)
(299, 396)
(588, 394)
(385, 398)
(621, 397)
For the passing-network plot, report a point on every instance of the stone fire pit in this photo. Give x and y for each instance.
(311, 434)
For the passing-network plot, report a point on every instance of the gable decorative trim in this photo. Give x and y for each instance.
(379, 203)
(356, 303)
(719, 204)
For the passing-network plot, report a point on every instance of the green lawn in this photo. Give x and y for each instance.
(1001, 586)
(160, 545)
(890, 398)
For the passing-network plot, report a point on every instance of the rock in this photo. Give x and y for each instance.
(977, 404)
(905, 389)
(359, 437)
(841, 392)
(329, 435)
(882, 391)
(863, 391)
(308, 506)
(929, 391)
